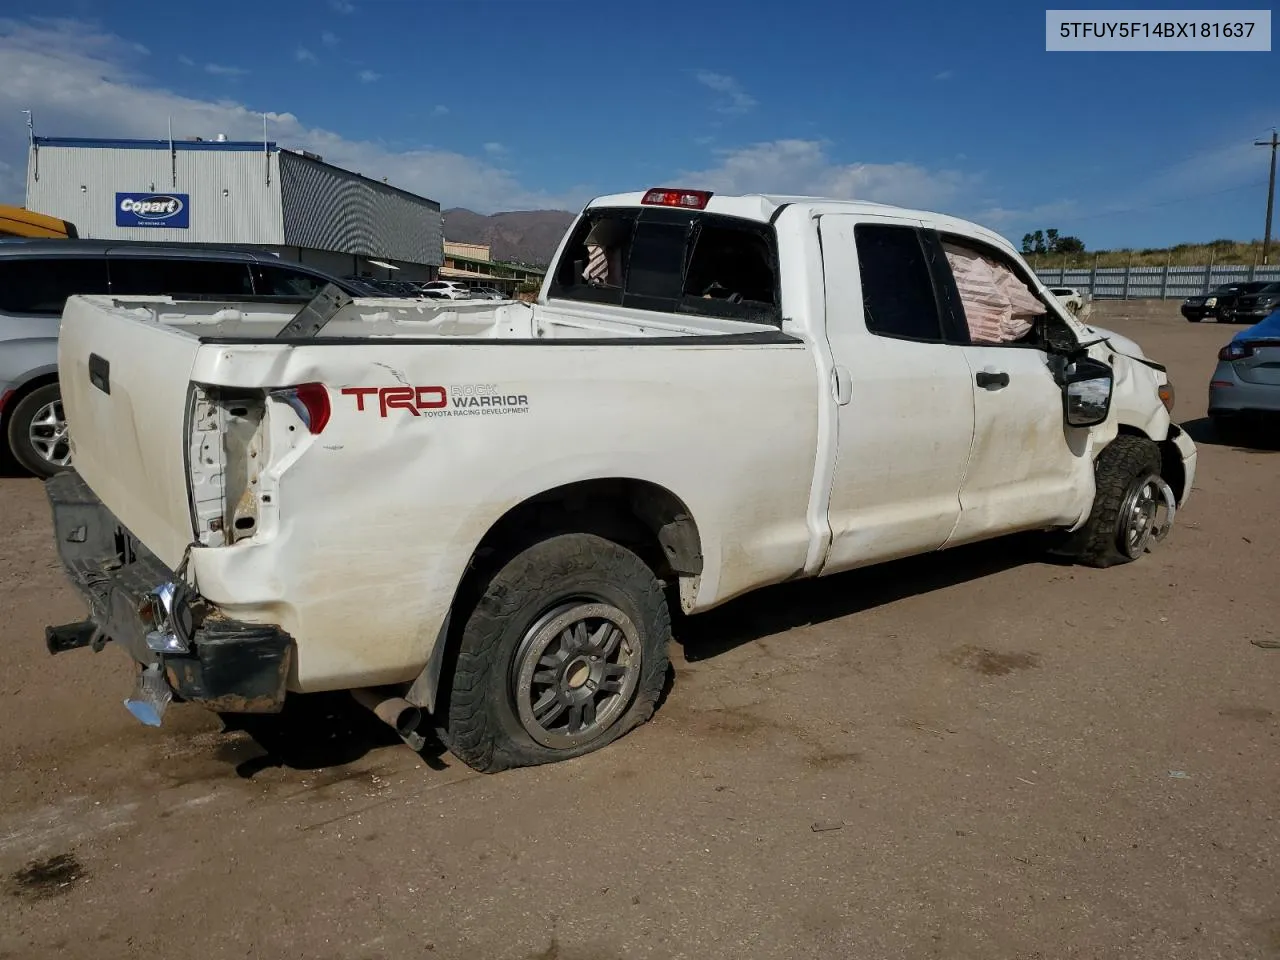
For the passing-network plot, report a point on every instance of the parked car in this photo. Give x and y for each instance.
(1219, 303)
(37, 276)
(451, 289)
(487, 293)
(1245, 387)
(772, 389)
(1071, 298)
(1253, 306)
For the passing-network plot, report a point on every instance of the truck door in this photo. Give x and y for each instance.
(1028, 469)
(903, 394)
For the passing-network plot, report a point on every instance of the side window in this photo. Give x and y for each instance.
(272, 281)
(897, 289)
(733, 272)
(998, 306)
(42, 286)
(144, 276)
(593, 267)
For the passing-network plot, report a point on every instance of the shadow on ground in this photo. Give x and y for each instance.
(319, 730)
(1253, 435)
(804, 602)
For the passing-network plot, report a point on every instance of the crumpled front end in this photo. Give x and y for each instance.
(185, 648)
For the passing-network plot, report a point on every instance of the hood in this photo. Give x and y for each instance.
(1121, 344)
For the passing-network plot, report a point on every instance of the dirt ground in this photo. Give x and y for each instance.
(977, 754)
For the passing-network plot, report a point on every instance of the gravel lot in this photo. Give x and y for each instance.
(976, 754)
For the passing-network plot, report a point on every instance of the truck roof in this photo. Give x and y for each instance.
(764, 207)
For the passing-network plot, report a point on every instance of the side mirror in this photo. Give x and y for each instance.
(1086, 392)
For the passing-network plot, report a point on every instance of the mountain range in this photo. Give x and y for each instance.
(521, 236)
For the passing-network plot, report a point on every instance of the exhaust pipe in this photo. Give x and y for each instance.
(396, 712)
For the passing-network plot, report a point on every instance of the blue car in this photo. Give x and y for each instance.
(1246, 383)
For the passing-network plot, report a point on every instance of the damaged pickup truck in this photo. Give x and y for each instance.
(476, 515)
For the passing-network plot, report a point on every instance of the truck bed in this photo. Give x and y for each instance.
(242, 321)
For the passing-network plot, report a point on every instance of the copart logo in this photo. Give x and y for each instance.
(152, 210)
(457, 400)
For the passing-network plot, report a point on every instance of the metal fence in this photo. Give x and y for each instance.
(1167, 282)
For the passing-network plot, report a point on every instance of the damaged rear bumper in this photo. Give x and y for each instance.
(225, 665)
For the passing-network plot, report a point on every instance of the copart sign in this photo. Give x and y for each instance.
(153, 210)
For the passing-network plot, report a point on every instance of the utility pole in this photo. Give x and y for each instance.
(1271, 193)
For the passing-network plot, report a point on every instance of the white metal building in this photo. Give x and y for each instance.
(241, 192)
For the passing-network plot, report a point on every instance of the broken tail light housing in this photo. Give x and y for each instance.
(674, 197)
(310, 401)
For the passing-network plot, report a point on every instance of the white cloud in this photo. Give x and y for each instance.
(1034, 217)
(944, 75)
(439, 110)
(368, 76)
(185, 60)
(342, 6)
(303, 55)
(219, 70)
(82, 82)
(494, 149)
(802, 167)
(328, 39)
(733, 99)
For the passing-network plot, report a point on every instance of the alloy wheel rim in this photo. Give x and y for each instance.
(575, 671)
(1146, 515)
(48, 435)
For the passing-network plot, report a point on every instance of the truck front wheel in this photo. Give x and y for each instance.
(1133, 506)
(564, 652)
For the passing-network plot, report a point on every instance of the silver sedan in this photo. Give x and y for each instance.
(1246, 383)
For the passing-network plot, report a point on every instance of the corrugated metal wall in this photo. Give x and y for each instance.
(329, 209)
(230, 201)
(1134, 283)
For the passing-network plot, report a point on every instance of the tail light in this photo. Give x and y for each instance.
(310, 401)
(672, 197)
(1235, 351)
(1166, 396)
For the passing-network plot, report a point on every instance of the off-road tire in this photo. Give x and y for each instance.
(1124, 462)
(481, 724)
(19, 426)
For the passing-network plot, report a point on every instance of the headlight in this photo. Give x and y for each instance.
(1211, 302)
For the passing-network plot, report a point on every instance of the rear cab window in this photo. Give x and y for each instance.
(898, 298)
(673, 261)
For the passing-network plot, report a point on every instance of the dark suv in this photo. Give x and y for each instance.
(37, 276)
(1220, 303)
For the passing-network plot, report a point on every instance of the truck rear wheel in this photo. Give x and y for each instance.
(1132, 506)
(565, 651)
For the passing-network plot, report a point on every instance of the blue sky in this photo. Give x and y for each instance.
(508, 104)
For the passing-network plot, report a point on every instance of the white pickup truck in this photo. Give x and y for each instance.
(480, 512)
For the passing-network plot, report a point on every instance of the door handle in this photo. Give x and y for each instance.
(991, 381)
(843, 384)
